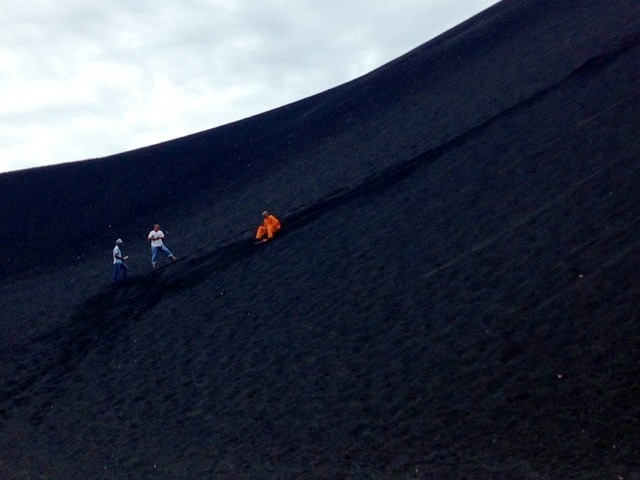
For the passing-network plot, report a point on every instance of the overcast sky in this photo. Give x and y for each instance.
(84, 79)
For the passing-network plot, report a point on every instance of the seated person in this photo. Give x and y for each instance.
(270, 225)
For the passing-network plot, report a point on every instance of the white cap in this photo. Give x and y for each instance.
(119, 241)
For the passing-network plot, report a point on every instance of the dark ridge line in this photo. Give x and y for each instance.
(379, 181)
(97, 319)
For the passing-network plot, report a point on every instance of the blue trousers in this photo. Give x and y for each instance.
(154, 253)
(119, 272)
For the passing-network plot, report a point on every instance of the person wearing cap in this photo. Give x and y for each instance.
(270, 226)
(157, 245)
(119, 267)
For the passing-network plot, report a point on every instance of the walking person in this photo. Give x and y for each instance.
(120, 269)
(157, 245)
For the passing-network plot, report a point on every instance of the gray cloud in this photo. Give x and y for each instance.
(85, 79)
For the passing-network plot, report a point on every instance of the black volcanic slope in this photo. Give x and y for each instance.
(455, 293)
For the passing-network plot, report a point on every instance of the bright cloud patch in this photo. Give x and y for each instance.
(86, 79)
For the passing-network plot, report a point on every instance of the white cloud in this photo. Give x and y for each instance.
(85, 79)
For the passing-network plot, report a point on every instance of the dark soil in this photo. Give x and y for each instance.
(455, 292)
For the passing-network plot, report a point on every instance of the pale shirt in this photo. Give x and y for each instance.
(156, 238)
(117, 255)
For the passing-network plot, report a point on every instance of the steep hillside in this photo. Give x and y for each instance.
(455, 293)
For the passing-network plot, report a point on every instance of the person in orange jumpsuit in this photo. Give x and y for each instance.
(270, 225)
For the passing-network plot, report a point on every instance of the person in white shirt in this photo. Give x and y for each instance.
(119, 267)
(157, 245)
